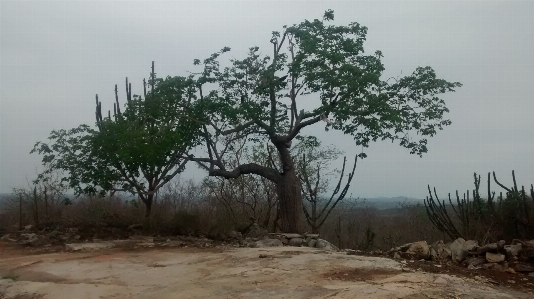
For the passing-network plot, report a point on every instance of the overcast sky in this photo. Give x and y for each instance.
(55, 56)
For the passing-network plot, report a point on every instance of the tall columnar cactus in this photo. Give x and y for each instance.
(438, 215)
(481, 218)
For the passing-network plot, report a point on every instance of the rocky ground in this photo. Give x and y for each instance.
(229, 272)
(500, 263)
(67, 264)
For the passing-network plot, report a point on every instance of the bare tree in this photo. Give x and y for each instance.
(311, 192)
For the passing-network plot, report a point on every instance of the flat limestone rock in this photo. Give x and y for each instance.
(259, 273)
(291, 236)
(312, 236)
(296, 242)
(89, 246)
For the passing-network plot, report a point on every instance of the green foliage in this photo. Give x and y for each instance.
(70, 152)
(136, 151)
(256, 99)
(328, 62)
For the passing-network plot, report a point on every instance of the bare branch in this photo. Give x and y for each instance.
(238, 128)
(281, 42)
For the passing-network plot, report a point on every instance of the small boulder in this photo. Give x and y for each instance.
(267, 243)
(28, 236)
(235, 235)
(137, 238)
(297, 242)
(458, 250)
(404, 247)
(7, 237)
(325, 245)
(137, 226)
(494, 266)
(441, 281)
(433, 254)
(494, 257)
(124, 243)
(33, 240)
(500, 244)
(527, 251)
(89, 246)
(510, 270)
(312, 243)
(475, 261)
(471, 245)
(312, 236)
(419, 249)
(488, 247)
(523, 268)
(291, 236)
(512, 251)
(255, 231)
(440, 250)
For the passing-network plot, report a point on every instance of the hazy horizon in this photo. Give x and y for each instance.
(55, 56)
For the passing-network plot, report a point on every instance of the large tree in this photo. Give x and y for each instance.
(137, 150)
(257, 98)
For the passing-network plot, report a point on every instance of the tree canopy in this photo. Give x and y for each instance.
(257, 99)
(258, 95)
(138, 150)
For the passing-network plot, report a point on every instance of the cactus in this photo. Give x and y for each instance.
(438, 215)
(481, 217)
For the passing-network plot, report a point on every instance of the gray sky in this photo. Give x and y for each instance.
(55, 56)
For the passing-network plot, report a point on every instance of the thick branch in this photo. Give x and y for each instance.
(300, 125)
(206, 160)
(250, 168)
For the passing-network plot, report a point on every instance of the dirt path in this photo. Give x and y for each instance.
(280, 272)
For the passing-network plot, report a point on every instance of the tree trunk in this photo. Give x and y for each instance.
(290, 202)
(148, 205)
(289, 193)
(313, 219)
(36, 205)
(47, 218)
(20, 211)
(276, 217)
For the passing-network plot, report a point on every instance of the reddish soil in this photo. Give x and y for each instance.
(516, 281)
